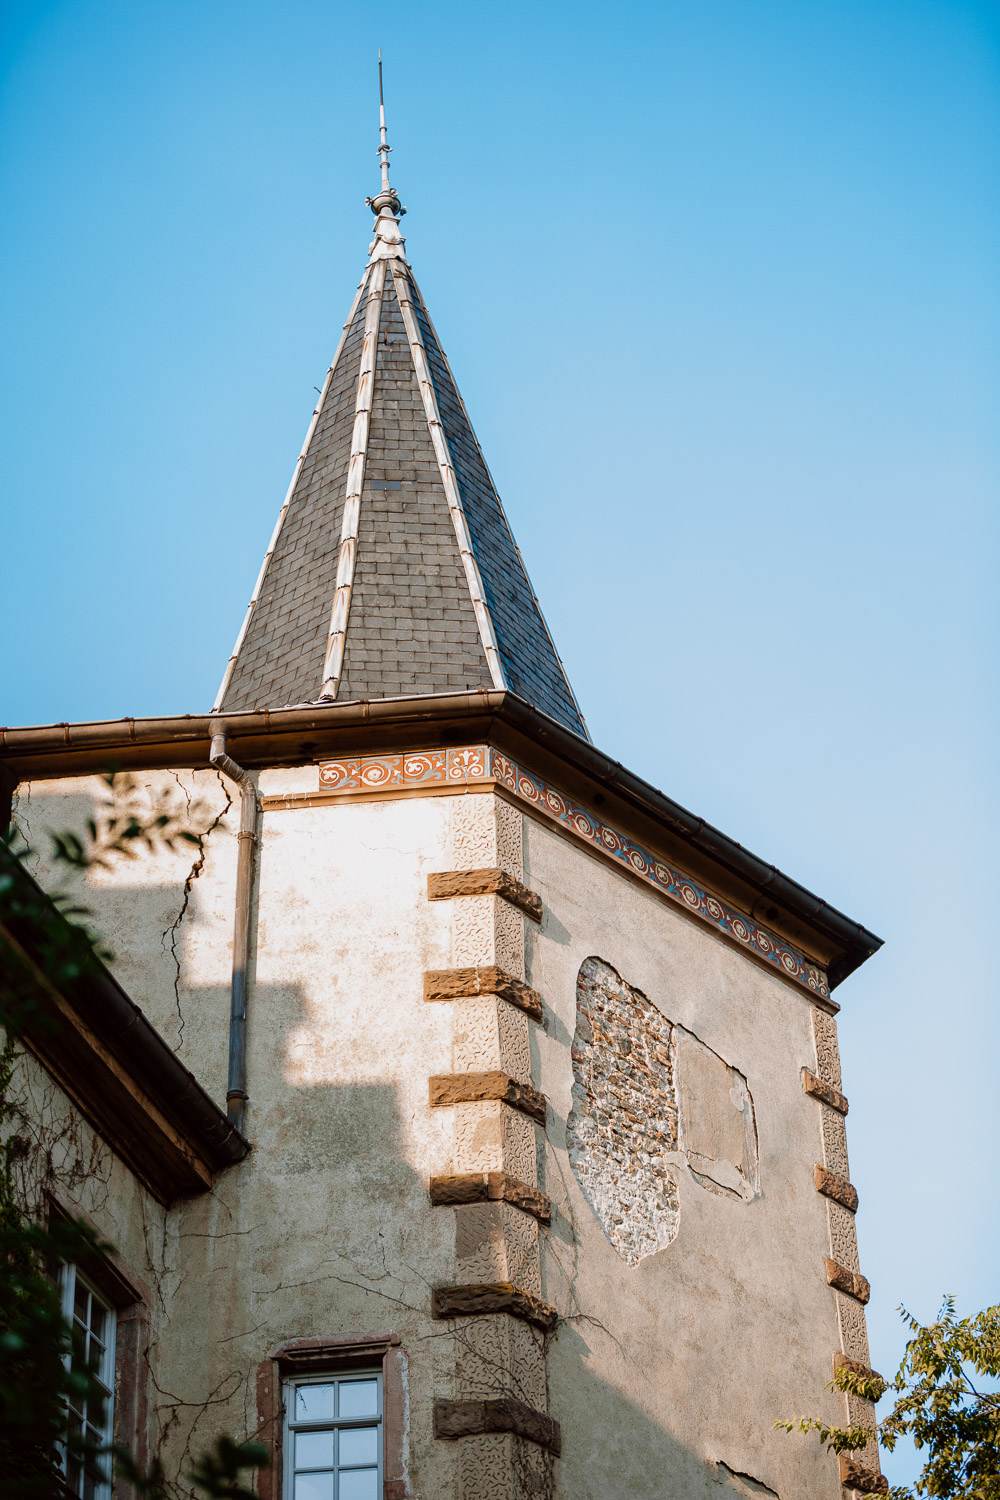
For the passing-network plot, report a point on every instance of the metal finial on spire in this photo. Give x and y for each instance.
(387, 198)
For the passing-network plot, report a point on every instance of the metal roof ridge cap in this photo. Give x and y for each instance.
(498, 498)
(292, 485)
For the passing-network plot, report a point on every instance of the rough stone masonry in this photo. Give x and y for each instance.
(650, 1101)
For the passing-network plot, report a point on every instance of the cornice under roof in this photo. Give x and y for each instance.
(296, 736)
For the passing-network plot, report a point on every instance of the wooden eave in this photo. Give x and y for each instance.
(299, 736)
(119, 1072)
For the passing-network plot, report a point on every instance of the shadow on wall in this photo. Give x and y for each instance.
(146, 909)
(327, 1231)
(612, 1449)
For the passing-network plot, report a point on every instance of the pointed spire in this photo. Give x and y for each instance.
(388, 242)
(392, 571)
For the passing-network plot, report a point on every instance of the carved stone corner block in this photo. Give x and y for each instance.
(475, 1088)
(827, 1050)
(824, 1092)
(852, 1283)
(494, 881)
(835, 1187)
(493, 1297)
(482, 1187)
(856, 1367)
(473, 832)
(482, 980)
(854, 1476)
(458, 1419)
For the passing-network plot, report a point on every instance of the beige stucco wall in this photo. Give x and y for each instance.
(658, 1371)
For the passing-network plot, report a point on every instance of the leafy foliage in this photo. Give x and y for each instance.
(947, 1401)
(217, 1473)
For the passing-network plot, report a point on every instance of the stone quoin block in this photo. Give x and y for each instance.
(458, 1419)
(835, 1187)
(855, 1476)
(482, 980)
(492, 882)
(857, 1367)
(490, 1187)
(824, 1092)
(850, 1282)
(493, 1297)
(478, 1088)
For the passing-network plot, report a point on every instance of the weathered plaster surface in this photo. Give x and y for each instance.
(690, 1354)
(665, 1374)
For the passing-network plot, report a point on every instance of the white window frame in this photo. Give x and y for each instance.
(70, 1277)
(329, 1377)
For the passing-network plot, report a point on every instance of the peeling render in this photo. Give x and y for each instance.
(650, 1101)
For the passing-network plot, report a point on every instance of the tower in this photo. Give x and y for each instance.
(510, 1158)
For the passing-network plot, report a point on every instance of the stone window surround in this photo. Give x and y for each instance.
(317, 1356)
(132, 1302)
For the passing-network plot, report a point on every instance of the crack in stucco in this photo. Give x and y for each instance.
(748, 1485)
(173, 931)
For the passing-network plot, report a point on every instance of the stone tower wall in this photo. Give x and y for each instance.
(513, 1113)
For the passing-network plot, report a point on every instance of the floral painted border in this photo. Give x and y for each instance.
(481, 763)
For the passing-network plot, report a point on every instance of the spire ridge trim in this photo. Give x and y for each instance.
(333, 666)
(487, 635)
(282, 513)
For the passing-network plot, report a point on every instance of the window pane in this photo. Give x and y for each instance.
(358, 1484)
(358, 1398)
(314, 1487)
(80, 1302)
(358, 1445)
(98, 1318)
(314, 1450)
(314, 1403)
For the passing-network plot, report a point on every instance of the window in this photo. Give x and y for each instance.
(91, 1417)
(333, 1437)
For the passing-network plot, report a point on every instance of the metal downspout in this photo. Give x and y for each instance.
(236, 1093)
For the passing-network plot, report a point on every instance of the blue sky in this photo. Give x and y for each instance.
(719, 284)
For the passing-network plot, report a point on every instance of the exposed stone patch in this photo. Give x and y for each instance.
(623, 1127)
(650, 1100)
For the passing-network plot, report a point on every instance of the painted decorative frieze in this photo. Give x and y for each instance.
(482, 766)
